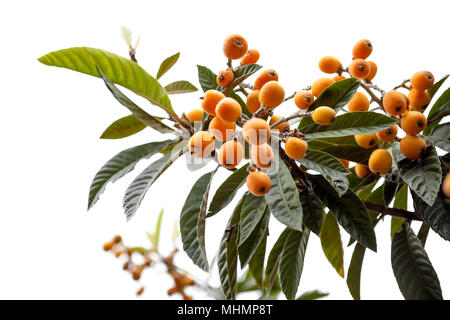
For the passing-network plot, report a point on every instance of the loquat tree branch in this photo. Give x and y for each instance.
(400, 213)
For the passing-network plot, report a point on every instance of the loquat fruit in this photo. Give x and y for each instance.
(201, 144)
(419, 99)
(222, 130)
(366, 141)
(359, 68)
(225, 77)
(261, 155)
(117, 239)
(271, 94)
(422, 80)
(264, 77)
(372, 70)
(339, 77)
(283, 126)
(108, 246)
(361, 170)
(210, 101)
(235, 46)
(413, 122)
(256, 131)
(258, 183)
(389, 134)
(320, 85)
(231, 154)
(324, 116)
(359, 102)
(253, 103)
(330, 64)
(394, 103)
(413, 147)
(228, 109)
(446, 185)
(296, 148)
(380, 161)
(252, 56)
(195, 115)
(344, 162)
(362, 49)
(303, 99)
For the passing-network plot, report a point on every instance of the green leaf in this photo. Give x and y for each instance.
(154, 237)
(400, 202)
(228, 255)
(423, 233)
(283, 199)
(247, 248)
(312, 210)
(138, 188)
(236, 97)
(330, 167)
(139, 113)
(167, 64)
(354, 271)
(207, 79)
(312, 295)
(256, 263)
(390, 188)
(440, 102)
(253, 209)
(118, 69)
(352, 217)
(440, 136)
(292, 260)
(123, 127)
(439, 114)
(192, 221)
(415, 275)
(330, 238)
(227, 190)
(424, 176)
(432, 91)
(342, 148)
(178, 87)
(273, 261)
(240, 74)
(121, 164)
(351, 123)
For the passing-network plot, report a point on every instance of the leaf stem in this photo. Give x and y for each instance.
(393, 211)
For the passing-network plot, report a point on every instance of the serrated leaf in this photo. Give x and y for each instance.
(139, 187)
(423, 176)
(348, 210)
(273, 260)
(440, 136)
(181, 86)
(312, 210)
(253, 209)
(432, 91)
(330, 238)
(400, 202)
(283, 199)
(227, 190)
(167, 64)
(256, 263)
(121, 164)
(123, 127)
(354, 271)
(292, 260)
(312, 295)
(118, 69)
(330, 167)
(139, 113)
(415, 275)
(351, 123)
(192, 221)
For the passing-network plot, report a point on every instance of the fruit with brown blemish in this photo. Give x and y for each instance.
(258, 183)
(264, 77)
(394, 103)
(422, 80)
(389, 134)
(366, 141)
(235, 46)
(225, 77)
(303, 99)
(329, 64)
(359, 68)
(413, 147)
(413, 122)
(324, 116)
(362, 49)
(201, 144)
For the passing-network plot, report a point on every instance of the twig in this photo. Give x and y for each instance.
(242, 89)
(247, 86)
(393, 211)
(372, 95)
(290, 97)
(298, 114)
(403, 85)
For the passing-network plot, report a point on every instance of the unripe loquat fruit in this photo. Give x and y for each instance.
(419, 99)
(230, 154)
(225, 77)
(324, 116)
(261, 155)
(361, 170)
(380, 161)
(366, 141)
(413, 147)
(389, 134)
(264, 77)
(235, 46)
(320, 85)
(339, 77)
(296, 148)
(271, 94)
(359, 68)
(283, 126)
(222, 130)
(329, 64)
(210, 101)
(422, 80)
(413, 122)
(256, 131)
(359, 102)
(372, 70)
(252, 56)
(394, 103)
(201, 144)
(258, 183)
(228, 110)
(362, 49)
(446, 185)
(303, 99)
(253, 103)
(195, 115)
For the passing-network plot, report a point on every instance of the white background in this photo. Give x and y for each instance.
(51, 120)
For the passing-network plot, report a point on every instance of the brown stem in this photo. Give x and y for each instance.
(293, 116)
(393, 211)
(372, 95)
